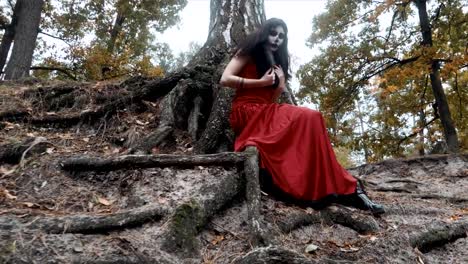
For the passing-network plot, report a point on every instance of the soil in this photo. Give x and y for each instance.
(426, 199)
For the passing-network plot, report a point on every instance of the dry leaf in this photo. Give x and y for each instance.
(349, 249)
(217, 239)
(8, 195)
(104, 201)
(30, 205)
(49, 150)
(85, 139)
(311, 248)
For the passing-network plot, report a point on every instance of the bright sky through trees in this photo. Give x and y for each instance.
(297, 14)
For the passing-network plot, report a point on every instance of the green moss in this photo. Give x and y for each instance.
(184, 227)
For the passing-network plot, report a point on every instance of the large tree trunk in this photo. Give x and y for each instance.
(450, 132)
(29, 17)
(198, 104)
(230, 22)
(8, 36)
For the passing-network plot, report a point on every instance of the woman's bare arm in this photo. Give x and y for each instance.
(231, 78)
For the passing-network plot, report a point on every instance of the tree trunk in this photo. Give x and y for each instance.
(198, 103)
(8, 36)
(450, 132)
(116, 29)
(230, 22)
(26, 31)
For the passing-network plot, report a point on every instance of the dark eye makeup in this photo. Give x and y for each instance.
(274, 33)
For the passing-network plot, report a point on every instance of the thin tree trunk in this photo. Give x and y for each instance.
(116, 29)
(29, 17)
(9, 35)
(450, 132)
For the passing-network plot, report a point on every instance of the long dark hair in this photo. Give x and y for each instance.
(254, 46)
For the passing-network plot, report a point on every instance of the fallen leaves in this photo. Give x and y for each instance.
(7, 194)
(103, 201)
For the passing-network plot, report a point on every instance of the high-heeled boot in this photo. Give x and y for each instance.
(365, 203)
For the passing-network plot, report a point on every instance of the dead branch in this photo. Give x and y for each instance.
(149, 161)
(438, 235)
(86, 223)
(50, 68)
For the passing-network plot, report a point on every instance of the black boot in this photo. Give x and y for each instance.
(365, 203)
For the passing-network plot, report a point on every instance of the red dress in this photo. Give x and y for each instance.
(292, 142)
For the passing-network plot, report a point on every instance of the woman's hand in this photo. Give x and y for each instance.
(280, 73)
(269, 77)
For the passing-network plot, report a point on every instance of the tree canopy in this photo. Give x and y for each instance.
(103, 39)
(372, 79)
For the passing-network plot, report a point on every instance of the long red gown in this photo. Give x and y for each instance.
(292, 142)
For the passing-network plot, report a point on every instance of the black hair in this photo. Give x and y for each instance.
(254, 46)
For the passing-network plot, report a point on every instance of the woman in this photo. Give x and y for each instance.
(292, 141)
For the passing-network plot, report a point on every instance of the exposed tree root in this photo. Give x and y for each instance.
(190, 217)
(438, 235)
(452, 199)
(89, 223)
(341, 215)
(152, 140)
(149, 161)
(14, 153)
(14, 115)
(333, 214)
(272, 255)
(217, 127)
(258, 232)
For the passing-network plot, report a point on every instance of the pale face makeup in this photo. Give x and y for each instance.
(276, 37)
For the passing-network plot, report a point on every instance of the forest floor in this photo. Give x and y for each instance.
(52, 215)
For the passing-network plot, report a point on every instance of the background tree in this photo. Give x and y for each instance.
(378, 55)
(28, 16)
(9, 31)
(106, 39)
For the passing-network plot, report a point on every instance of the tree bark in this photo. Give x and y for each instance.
(230, 22)
(26, 31)
(450, 132)
(8, 36)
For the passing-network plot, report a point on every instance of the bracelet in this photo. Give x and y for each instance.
(242, 83)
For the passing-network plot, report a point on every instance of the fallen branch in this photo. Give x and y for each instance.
(149, 161)
(89, 223)
(438, 236)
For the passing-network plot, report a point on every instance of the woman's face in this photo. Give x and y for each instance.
(276, 37)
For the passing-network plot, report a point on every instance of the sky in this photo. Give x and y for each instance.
(297, 14)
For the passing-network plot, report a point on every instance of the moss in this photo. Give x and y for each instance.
(184, 227)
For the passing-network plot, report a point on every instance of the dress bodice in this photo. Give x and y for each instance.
(261, 95)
